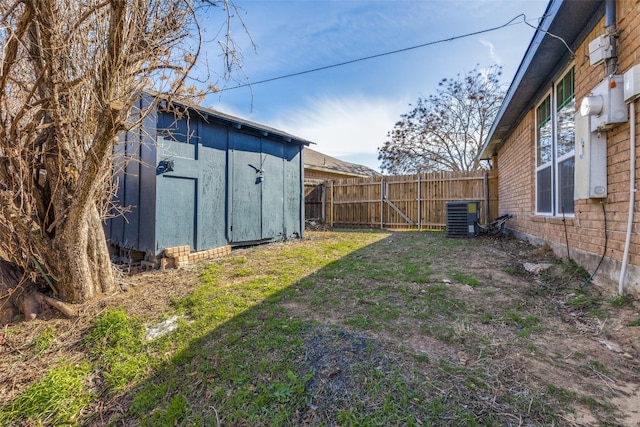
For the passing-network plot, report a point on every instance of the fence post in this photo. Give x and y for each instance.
(486, 198)
(324, 201)
(331, 206)
(419, 203)
(381, 204)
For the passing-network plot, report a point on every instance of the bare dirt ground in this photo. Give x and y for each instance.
(541, 336)
(581, 341)
(587, 346)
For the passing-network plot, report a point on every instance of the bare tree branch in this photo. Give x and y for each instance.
(71, 73)
(445, 131)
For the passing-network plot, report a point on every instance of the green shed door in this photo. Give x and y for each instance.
(272, 190)
(246, 189)
(176, 210)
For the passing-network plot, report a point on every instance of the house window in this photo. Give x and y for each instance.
(555, 162)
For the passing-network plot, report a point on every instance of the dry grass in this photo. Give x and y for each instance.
(360, 328)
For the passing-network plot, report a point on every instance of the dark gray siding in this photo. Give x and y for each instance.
(213, 194)
(245, 224)
(177, 195)
(136, 185)
(293, 191)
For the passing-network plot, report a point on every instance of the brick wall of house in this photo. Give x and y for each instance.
(515, 193)
(585, 231)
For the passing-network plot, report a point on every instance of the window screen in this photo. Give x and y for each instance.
(566, 178)
(544, 193)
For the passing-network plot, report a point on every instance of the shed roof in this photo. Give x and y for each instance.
(564, 21)
(209, 114)
(315, 160)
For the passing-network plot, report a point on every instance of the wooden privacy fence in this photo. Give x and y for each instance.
(315, 199)
(404, 202)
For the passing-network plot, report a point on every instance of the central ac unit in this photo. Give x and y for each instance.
(462, 219)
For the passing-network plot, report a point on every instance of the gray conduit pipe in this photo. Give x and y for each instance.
(632, 194)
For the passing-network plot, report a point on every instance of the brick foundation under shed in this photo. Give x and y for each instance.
(180, 256)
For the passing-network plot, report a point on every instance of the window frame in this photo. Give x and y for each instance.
(556, 160)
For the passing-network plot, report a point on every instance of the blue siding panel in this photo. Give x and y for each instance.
(176, 209)
(212, 193)
(132, 191)
(134, 157)
(183, 129)
(147, 155)
(246, 190)
(114, 227)
(293, 191)
(176, 197)
(272, 214)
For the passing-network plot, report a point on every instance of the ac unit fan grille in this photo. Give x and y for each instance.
(462, 218)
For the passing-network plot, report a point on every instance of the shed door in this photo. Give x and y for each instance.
(272, 190)
(246, 189)
(176, 212)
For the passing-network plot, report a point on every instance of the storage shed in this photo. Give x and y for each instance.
(196, 177)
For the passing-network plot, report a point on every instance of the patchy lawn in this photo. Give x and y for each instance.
(340, 328)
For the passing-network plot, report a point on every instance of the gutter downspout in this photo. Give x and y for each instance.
(610, 28)
(632, 194)
(611, 66)
(610, 13)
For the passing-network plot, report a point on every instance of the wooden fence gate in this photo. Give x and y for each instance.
(409, 201)
(315, 200)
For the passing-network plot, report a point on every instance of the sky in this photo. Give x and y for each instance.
(348, 110)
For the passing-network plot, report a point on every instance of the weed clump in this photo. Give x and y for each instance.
(116, 341)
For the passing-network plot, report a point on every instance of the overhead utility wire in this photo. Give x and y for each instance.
(366, 58)
(573, 54)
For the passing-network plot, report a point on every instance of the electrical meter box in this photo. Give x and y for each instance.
(606, 105)
(600, 49)
(591, 161)
(632, 84)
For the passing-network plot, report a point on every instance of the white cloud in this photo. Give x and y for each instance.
(492, 52)
(347, 127)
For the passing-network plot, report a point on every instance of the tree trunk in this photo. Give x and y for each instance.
(19, 295)
(81, 261)
(78, 265)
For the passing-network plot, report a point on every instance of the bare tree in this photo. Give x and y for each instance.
(445, 131)
(70, 74)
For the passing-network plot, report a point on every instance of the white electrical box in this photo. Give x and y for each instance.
(606, 105)
(600, 49)
(591, 161)
(632, 83)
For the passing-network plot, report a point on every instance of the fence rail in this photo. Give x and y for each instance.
(400, 202)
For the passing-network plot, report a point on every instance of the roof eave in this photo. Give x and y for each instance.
(544, 58)
(335, 171)
(234, 121)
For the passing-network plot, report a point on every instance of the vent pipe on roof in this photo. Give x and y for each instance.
(611, 31)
